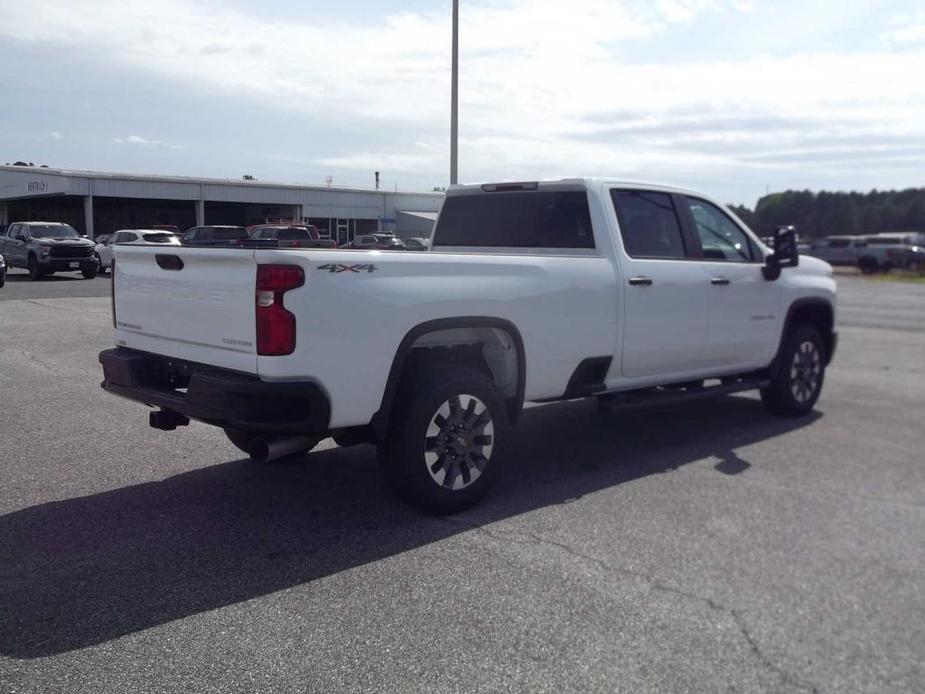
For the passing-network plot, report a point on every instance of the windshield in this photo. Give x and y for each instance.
(53, 231)
(292, 234)
(227, 234)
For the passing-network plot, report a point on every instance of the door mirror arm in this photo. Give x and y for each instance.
(785, 253)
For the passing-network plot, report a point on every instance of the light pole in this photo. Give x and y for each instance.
(454, 98)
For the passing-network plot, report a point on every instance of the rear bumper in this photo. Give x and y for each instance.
(216, 396)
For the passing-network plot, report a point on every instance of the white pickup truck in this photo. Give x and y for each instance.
(532, 292)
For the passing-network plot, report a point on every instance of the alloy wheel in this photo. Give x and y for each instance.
(458, 443)
(805, 371)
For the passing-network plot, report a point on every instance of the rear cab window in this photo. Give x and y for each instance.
(159, 238)
(546, 219)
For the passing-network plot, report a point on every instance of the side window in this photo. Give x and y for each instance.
(13, 230)
(192, 234)
(720, 237)
(649, 224)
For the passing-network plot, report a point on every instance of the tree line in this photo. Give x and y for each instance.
(827, 214)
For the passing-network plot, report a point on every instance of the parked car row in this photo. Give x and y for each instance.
(44, 248)
(872, 253)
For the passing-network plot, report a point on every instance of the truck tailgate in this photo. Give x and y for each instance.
(199, 309)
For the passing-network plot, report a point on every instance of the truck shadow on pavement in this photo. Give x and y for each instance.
(84, 571)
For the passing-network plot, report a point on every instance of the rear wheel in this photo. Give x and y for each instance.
(35, 272)
(446, 439)
(797, 383)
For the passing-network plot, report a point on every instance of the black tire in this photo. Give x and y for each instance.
(797, 381)
(35, 272)
(446, 439)
(89, 273)
(2, 277)
(868, 264)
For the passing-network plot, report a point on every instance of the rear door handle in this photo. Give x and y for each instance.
(719, 280)
(640, 281)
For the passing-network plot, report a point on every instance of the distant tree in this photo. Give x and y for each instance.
(914, 217)
(745, 214)
(828, 213)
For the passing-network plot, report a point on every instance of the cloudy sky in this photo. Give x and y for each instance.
(734, 97)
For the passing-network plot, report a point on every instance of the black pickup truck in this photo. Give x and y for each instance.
(44, 248)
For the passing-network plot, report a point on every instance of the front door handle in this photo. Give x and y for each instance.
(719, 280)
(640, 281)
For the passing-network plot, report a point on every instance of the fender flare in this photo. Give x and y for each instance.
(380, 420)
(829, 337)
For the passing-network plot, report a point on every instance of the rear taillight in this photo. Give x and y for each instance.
(112, 293)
(276, 325)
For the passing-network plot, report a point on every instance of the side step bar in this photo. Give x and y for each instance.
(648, 397)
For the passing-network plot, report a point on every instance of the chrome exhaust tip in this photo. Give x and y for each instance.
(263, 449)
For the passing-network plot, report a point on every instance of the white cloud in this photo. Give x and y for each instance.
(57, 136)
(140, 141)
(906, 29)
(545, 87)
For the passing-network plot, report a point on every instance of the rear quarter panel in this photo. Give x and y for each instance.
(350, 323)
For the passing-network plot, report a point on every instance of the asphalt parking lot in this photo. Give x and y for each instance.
(702, 548)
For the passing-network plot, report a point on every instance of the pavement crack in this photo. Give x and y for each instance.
(654, 584)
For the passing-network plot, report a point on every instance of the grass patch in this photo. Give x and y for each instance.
(913, 278)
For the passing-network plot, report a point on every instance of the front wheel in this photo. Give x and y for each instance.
(446, 439)
(89, 273)
(797, 382)
(35, 272)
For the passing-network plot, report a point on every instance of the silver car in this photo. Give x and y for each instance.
(838, 250)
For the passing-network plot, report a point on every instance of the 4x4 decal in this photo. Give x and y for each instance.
(337, 267)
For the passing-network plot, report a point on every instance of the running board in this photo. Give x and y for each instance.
(648, 397)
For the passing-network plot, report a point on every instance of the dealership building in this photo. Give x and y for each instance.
(97, 203)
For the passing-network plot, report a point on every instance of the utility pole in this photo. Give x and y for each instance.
(454, 98)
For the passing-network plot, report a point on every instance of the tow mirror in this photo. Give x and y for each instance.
(785, 252)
